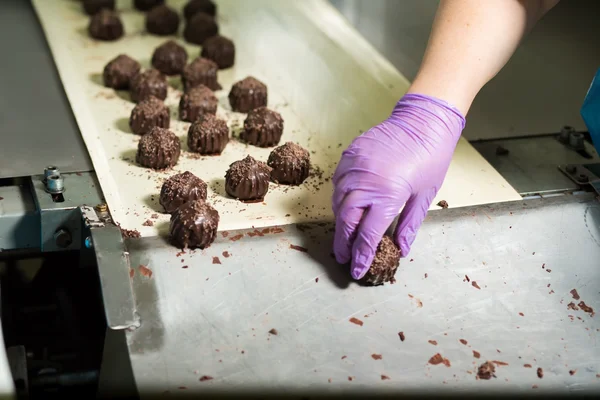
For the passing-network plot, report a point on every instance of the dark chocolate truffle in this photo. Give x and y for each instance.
(119, 72)
(262, 127)
(195, 6)
(147, 114)
(91, 7)
(219, 49)
(247, 180)
(106, 25)
(169, 58)
(385, 264)
(145, 5)
(208, 135)
(158, 149)
(196, 102)
(248, 94)
(148, 83)
(200, 72)
(199, 28)
(290, 163)
(180, 189)
(194, 225)
(162, 20)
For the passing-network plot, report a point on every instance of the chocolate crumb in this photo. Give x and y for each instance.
(317, 279)
(402, 337)
(476, 354)
(500, 363)
(204, 378)
(384, 377)
(433, 342)
(467, 278)
(443, 204)
(145, 271)
(216, 260)
(572, 372)
(273, 331)
(540, 373)
(350, 378)
(437, 359)
(344, 357)
(586, 308)
(298, 248)
(236, 237)
(425, 275)
(475, 285)
(521, 314)
(356, 321)
(148, 223)
(376, 356)
(527, 365)
(463, 341)
(486, 371)
(575, 294)
(226, 254)
(130, 233)
(184, 267)
(572, 306)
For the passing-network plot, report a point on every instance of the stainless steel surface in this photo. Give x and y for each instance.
(81, 189)
(540, 89)
(37, 127)
(113, 269)
(531, 164)
(19, 221)
(209, 313)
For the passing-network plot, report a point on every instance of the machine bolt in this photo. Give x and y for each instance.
(571, 169)
(55, 184)
(102, 207)
(89, 243)
(576, 141)
(583, 178)
(63, 238)
(50, 170)
(565, 132)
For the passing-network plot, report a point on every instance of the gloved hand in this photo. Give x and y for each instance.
(401, 161)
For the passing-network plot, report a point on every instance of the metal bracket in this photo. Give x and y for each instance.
(583, 174)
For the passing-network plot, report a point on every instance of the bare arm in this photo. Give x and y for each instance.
(470, 42)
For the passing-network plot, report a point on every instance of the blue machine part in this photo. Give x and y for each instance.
(590, 111)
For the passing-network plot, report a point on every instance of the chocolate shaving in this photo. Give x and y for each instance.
(376, 356)
(575, 294)
(433, 342)
(216, 260)
(475, 285)
(463, 341)
(205, 378)
(402, 337)
(476, 354)
(437, 359)
(586, 308)
(145, 271)
(356, 321)
(298, 248)
(540, 373)
(486, 371)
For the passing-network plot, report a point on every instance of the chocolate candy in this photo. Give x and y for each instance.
(148, 83)
(169, 58)
(385, 264)
(199, 28)
(193, 7)
(119, 72)
(208, 135)
(194, 225)
(106, 25)
(290, 163)
(91, 7)
(196, 102)
(262, 127)
(145, 5)
(201, 71)
(220, 50)
(180, 189)
(247, 180)
(248, 94)
(158, 149)
(162, 21)
(147, 114)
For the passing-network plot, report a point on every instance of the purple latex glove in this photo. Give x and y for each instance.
(401, 161)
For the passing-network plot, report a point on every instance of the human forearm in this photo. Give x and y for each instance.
(470, 42)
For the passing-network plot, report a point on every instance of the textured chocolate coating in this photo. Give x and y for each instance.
(248, 94)
(208, 135)
(385, 264)
(145, 5)
(262, 127)
(147, 114)
(169, 58)
(148, 83)
(106, 25)
(158, 149)
(200, 72)
(290, 163)
(194, 225)
(162, 20)
(119, 72)
(199, 28)
(247, 179)
(180, 189)
(193, 7)
(196, 102)
(219, 49)
(91, 7)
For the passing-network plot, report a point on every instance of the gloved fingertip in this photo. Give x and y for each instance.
(341, 257)
(358, 272)
(361, 264)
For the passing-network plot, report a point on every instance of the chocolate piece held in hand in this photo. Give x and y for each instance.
(201, 71)
(158, 149)
(248, 94)
(248, 180)
(91, 7)
(147, 114)
(262, 127)
(119, 72)
(169, 58)
(290, 163)
(199, 28)
(145, 5)
(193, 7)
(162, 21)
(106, 25)
(180, 189)
(148, 83)
(208, 135)
(385, 264)
(196, 102)
(194, 225)
(219, 49)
